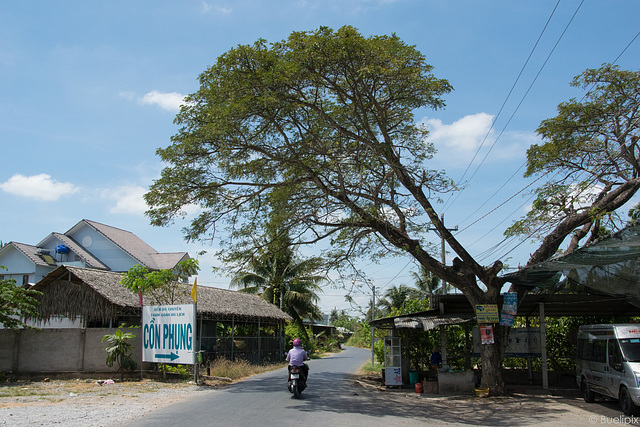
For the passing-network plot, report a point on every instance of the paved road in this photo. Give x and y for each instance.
(333, 399)
(264, 399)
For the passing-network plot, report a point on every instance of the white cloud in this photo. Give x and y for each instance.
(464, 135)
(457, 143)
(206, 8)
(170, 101)
(40, 187)
(128, 199)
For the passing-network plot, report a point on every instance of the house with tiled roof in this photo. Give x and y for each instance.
(87, 244)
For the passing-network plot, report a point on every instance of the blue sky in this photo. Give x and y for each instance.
(89, 91)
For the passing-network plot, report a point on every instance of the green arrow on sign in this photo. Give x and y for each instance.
(172, 356)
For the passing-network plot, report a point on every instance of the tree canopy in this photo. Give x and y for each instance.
(16, 303)
(162, 286)
(318, 130)
(590, 154)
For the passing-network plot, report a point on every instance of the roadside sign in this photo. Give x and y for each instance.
(487, 313)
(168, 334)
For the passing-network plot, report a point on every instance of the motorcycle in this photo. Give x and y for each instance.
(297, 380)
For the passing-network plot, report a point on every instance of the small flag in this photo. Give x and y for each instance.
(194, 290)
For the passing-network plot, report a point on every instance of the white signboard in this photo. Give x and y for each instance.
(168, 334)
(522, 342)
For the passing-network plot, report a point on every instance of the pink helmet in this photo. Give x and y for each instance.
(297, 342)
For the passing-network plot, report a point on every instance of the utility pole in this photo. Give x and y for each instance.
(373, 317)
(442, 249)
(443, 341)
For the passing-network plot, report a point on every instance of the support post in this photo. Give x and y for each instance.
(373, 311)
(543, 349)
(443, 341)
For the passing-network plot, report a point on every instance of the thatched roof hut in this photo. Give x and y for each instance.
(98, 295)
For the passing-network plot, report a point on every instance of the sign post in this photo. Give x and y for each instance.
(169, 334)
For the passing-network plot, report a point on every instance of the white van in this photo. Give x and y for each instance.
(608, 363)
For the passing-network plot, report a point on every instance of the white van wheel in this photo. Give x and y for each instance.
(628, 407)
(587, 394)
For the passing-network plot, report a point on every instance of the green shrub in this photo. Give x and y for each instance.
(181, 370)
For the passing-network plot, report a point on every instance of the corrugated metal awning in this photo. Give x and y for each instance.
(431, 322)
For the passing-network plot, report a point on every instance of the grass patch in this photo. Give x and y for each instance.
(368, 369)
(239, 369)
(21, 392)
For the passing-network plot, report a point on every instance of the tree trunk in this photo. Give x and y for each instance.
(491, 356)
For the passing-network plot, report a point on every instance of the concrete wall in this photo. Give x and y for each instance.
(59, 350)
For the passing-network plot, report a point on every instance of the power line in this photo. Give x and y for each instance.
(526, 93)
(503, 104)
(496, 247)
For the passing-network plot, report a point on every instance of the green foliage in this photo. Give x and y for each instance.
(561, 340)
(396, 296)
(411, 306)
(181, 370)
(163, 286)
(427, 282)
(378, 351)
(293, 331)
(16, 303)
(119, 351)
(591, 149)
(306, 129)
(342, 320)
(281, 278)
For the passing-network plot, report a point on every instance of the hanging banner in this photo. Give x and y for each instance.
(486, 334)
(506, 319)
(168, 334)
(509, 309)
(487, 313)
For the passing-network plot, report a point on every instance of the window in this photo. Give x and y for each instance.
(600, 351)
(25, 280)
(631, 349)
(615, 356)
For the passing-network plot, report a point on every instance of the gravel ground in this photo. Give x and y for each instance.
(87, 403)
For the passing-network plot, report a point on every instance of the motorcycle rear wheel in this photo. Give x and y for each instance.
(296, 390)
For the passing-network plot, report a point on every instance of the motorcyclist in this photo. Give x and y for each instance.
(296, 357)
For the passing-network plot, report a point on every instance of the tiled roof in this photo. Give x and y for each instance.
(137, 248)
(30, 252)
(88, 258)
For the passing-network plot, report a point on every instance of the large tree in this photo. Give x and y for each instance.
(320, 128)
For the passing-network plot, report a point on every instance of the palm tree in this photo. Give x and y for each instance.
(284, 280)
(396, 296)
(427, 282)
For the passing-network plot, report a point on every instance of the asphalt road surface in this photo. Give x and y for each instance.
(264, 399)
(333, 398)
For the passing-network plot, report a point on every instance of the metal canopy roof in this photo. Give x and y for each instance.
(555, 305)
(602, 279)
(608, 266)
(457, 310)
